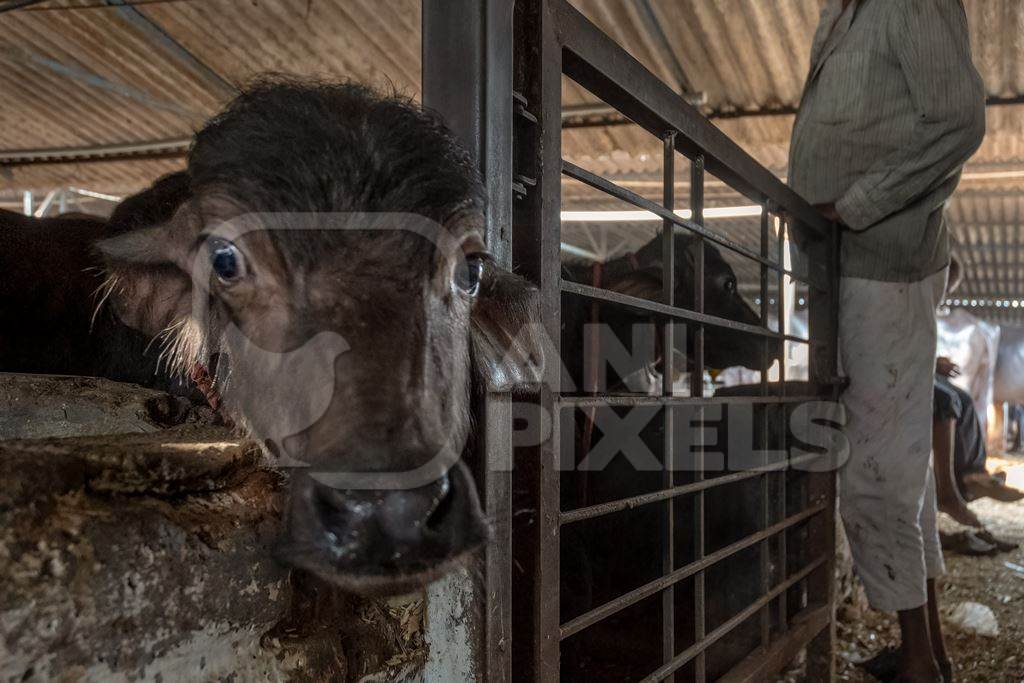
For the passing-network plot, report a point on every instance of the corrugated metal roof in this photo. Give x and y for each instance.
(75, 73)
(78, 74)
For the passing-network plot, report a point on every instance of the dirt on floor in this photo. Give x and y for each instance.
(996, 582)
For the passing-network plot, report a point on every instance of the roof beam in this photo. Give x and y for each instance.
(599, 114)
(17, 4)
(153, 149)
(159, 38)
(652, 25)
(81, 75)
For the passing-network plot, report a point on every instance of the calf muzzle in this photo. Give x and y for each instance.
(380, 541)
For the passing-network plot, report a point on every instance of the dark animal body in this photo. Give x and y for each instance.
(640, 275)
(260, 251)
(605, 557)
(48, 298)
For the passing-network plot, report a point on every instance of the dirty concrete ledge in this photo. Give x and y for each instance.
(147, 556)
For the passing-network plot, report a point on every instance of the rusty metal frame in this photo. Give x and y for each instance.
(467, 78)
(555, 39)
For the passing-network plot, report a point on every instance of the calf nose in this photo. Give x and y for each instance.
(404, 516)
(343, 534)
(393, 520)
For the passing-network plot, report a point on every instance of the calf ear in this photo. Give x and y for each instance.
(147, 284)
(508, 338)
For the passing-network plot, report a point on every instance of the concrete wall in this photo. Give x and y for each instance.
(146, 555)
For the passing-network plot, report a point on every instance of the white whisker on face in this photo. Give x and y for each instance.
(182, 345)
(102, 294)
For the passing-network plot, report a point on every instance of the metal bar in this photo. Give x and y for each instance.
(765, 488)
(536, 252)
(652, 26)
(92, 194)
(630, 400)
(159, 38)
(762, 664)
(45, 205)
(697, 391)
(595, 62)
(608, 116)
(698, 648)
(823, 317)
(668, 279)
(994, 101)
(766, 519)
(593, 116)
(783, 424)
(601, 509)
(587, 109)
(467, 79)
(80, 75)
(604, 185)
(152, 149)
(634, 596)
(10, 5)
(658, 308)
(579, 251)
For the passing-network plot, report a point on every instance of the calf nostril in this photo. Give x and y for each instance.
(442, 505)
(326, 508)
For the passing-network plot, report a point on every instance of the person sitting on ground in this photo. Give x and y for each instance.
(958, 444)
(961, 474)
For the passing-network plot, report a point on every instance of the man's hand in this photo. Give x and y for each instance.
(829, 212)
(946, 367)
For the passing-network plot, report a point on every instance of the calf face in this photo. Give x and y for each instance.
(329, 257)
(724, 347)
(641, 276)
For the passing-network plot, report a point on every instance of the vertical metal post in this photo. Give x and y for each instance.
(537, 254)
(467, 78)
(550, 185)
(697, 391)
(26, 202)
(668, 257)
(823, 320)
(766, 519)
(783, 418)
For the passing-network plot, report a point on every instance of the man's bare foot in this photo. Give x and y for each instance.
(958, 510)
(988, 486)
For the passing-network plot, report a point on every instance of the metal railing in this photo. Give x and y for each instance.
(553, 39)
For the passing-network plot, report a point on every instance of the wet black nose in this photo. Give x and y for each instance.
(346, 534)
(383, 525)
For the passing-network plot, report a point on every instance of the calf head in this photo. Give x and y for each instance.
(329, 257)
(722, 347)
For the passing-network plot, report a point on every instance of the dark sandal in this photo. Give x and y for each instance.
(884, 666)
(1003, 545)
(968, 543)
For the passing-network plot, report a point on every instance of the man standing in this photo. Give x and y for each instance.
(892, 109)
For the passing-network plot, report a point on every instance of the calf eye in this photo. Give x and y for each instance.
(468, 273)
(730, 285)
(226, 261)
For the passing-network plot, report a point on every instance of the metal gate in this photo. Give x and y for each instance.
(495, 69)
(793, 604)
